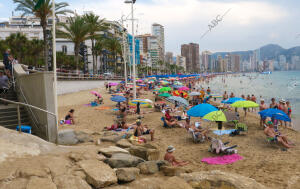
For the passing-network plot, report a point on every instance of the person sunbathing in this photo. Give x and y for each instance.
(171, 158)
(276, 136)
(70, 117)
(199, 131)
(140, 130)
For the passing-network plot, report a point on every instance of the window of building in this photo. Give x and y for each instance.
(64, 49)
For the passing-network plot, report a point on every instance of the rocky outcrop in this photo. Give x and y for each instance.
(79, 156)
(156, 183)
(124, 143)
(71, 182)
(148, 167)
(37, 183)
(174, 171)
(70, 137)
(127, 174)
(147, 152)
(220, 180)
(109, 151)
(119, 160)
(98, 174)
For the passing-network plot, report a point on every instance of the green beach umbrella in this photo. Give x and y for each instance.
(215, 116)
(165, 89)
(165, 95)
(245, 104)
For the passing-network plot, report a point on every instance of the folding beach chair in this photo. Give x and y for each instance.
(164, 121)
(199, 139)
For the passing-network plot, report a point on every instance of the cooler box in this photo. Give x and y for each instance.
(24, 128)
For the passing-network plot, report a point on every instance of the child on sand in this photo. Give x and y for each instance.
(171, 158)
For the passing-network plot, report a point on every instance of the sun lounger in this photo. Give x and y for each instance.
(218, 147)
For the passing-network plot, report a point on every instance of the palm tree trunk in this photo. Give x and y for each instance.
(96, 64)
(46, 53)
(76, 56)
(93, 55)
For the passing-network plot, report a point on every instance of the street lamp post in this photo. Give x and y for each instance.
(133, 48)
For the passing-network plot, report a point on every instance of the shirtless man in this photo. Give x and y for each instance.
(140, 130)
(171, 159)
(199, 131)
(273, 103)
(225, 95)
(262, 106)
(270, 132)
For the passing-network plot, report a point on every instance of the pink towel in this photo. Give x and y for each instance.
(221, 160)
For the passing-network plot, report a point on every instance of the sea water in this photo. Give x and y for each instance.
(279, 85)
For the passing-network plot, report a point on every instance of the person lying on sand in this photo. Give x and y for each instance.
(171, 158)
(276, 136)
(140, 130)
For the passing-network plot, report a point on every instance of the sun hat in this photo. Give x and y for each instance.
(170, 149)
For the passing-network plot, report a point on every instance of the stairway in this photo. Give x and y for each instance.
(8, 113)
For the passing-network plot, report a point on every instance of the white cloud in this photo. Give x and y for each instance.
(187, 20)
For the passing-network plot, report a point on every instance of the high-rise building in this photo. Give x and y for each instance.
(159, 31)
(283, 62)
(206, 60)
(169, 57)
(153, 50)
(235, 62)
(191, 53)
(181, 61)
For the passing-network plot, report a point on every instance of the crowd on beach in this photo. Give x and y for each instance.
(176, 115)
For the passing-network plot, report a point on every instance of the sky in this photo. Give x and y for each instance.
(247, 24)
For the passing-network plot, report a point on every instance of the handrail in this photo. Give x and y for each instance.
(27, 105)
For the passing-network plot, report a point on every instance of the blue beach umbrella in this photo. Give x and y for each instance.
(201, 110)
(177, 86)
(232, 100)
(118, 99)
(275, 113)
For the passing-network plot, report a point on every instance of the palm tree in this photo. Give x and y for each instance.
(17, 43)
(96, 25)
(77, 31)
(43, 13)
(114, 46)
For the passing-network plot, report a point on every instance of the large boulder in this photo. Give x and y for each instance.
(98, 174)
(71, 182)
(156, 183)
(109, 151)
(127, 174)
(85, 155)
(124, 143)
(71, 137)
(148, 167)
(37, 183)
(120, 160)
(220, 180)
(174, 171)
(147, 152)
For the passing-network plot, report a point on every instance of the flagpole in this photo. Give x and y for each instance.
(54, 68)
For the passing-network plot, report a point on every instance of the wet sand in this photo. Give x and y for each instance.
(264, 162)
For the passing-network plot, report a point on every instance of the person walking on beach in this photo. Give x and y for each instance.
(262, 106)
(231, 95)
(171, 158)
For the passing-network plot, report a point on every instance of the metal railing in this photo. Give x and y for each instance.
(29, 106)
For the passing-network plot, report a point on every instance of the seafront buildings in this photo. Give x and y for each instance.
(191, 53)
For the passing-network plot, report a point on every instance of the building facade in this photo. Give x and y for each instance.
(159, 32)
(191, 53)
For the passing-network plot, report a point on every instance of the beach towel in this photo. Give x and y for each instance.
(87, 104)
(103, 108)
(223, 132)
(222, 160)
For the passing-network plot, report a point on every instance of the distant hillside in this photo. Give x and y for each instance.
(267, 52)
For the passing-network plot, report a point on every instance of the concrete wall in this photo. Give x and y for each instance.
(38, 91)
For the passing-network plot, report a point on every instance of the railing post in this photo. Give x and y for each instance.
(19, 117)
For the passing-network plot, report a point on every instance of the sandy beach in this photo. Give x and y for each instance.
(264, 162)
